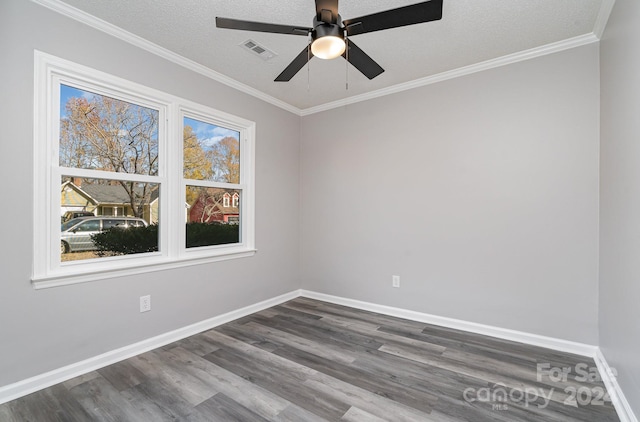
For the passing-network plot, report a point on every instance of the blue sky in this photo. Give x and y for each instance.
(67, 92)
(208, 134)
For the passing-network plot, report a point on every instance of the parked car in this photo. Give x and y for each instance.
(76, 233)
(70, 215)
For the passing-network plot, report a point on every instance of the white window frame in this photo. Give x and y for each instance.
(247, 153)
(48, 270)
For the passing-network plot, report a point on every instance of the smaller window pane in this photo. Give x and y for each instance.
(211, 218)
(211, 152)
(102, 133)
(90, 230)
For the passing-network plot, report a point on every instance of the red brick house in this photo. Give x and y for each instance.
(216, 205)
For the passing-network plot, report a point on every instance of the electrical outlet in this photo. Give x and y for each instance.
(145, 303)
(395, 281)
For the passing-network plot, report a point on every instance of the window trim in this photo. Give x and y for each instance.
(49, 72)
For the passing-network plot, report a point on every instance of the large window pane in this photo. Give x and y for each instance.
(213, 216)
(211, 152)
(102, 133)
(101, 217)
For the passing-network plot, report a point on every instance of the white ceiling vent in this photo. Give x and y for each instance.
(259, 50)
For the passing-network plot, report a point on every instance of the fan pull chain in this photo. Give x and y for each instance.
(346, 42)
(308, 64)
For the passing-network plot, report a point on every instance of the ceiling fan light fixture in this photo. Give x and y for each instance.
(328, 41)
(328, 47)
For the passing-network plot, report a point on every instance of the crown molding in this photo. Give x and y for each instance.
(117, 32)
(126, 36)
(603, 17)
(462, 71)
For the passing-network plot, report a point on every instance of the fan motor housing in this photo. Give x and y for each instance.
(323, 29)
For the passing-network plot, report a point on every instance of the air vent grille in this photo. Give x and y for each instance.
(259, 50)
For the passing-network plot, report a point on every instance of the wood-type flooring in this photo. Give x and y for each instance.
(307, 360)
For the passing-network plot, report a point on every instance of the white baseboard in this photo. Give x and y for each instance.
(33, 384)
(625, 413)
(503, 333)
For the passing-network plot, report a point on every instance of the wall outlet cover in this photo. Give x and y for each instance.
(145, 303)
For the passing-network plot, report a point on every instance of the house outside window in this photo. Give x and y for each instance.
(115, 148)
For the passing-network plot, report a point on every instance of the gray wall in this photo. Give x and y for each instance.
(480, 192)
(46, 329)
(620, 197)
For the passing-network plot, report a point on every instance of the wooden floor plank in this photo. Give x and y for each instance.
(261, 401)
(312, 361)
(153, 407)
(384, 407)
(291, 340)
(102, 401)
(160, 365)
(197, 344)
(358, 415)
(374, 332)
(281, 383)
(295, 413)
(156, 392)
(223, 408)
(122, 375)
(52, 404)
(420, 400)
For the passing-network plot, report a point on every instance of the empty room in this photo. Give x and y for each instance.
(320, 210)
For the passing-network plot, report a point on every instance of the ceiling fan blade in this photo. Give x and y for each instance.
(331, 5)
(295, 66)
(409, 15)
(361, 61)
(261, 27)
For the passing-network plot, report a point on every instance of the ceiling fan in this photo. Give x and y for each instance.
(329, 34)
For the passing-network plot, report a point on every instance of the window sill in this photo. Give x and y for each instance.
(67, 278)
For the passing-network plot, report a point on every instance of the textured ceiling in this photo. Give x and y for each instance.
(470, 32)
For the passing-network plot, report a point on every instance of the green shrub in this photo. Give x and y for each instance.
(121, 241)
(207, 234)
(132, 240)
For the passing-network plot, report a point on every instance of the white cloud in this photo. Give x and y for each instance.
(209, 134)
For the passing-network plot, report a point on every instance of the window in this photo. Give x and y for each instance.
(212, 172)
(115, 211)
(180, 174)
